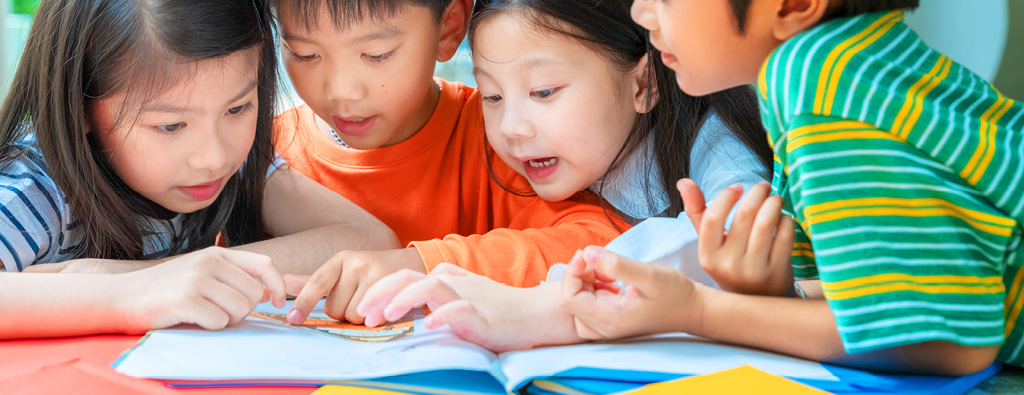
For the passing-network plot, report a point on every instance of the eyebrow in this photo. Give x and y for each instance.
(294, 37)
(170, 108)
(526, 64)
(383, 33)
(532, 63)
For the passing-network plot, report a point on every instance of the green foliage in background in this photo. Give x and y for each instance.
(27, 7)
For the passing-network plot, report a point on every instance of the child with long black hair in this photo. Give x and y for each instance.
(136, 131)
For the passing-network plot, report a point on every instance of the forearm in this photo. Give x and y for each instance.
(304, 252)
(807, 329)
(53, 305)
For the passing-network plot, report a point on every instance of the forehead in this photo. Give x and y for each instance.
(511, 41)
(198, 85)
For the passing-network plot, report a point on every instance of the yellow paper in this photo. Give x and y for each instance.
(346, 390)
(741, 381)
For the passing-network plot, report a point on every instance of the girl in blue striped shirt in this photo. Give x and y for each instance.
(137, 132)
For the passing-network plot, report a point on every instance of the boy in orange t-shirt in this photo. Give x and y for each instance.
(411, 150)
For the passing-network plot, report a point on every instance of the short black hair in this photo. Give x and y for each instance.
(345, 12)
(847, 9)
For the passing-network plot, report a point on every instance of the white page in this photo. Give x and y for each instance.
(675, 353)
(259, 349)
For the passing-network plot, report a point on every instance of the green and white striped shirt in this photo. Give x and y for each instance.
(904, 171)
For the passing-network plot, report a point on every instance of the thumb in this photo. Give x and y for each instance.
(693, 200)
(294, 282)
(636, 274)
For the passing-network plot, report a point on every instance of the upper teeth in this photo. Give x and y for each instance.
(549, 162)
(357, 119)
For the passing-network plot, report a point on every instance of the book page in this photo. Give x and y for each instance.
(264, 346)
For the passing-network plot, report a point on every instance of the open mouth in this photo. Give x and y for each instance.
(543, 162)
(540, 168)
(353, 126)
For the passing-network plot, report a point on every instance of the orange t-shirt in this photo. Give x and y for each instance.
(435, 192)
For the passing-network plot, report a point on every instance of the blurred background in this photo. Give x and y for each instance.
(986, 36)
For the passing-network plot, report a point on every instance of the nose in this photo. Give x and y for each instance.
(344, 84)
(514, 124)
(643, 15)
(208, 150)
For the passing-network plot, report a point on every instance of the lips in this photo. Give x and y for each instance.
(203, 191)
(353, 125)
(540, 168)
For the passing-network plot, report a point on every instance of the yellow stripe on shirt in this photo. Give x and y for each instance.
(895, 282)
(991, 151)
(913, 105)
(888, 206)
(828, 68)
(830, 94)
(1015, 309)
(983, 139)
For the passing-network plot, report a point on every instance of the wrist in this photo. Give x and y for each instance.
(118, 300)
(557, 327)
(691, 318)
(412, 259)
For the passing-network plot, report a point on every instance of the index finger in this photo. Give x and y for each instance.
(261, 267)
(318, 286)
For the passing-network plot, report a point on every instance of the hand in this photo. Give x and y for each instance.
(344, 279)
(212, 288)
(105, 266)
(657, 299)
(476, 308)
(753, 256)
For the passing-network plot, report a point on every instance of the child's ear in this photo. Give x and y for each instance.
(454, 25)
(795, 16)
(645, 91)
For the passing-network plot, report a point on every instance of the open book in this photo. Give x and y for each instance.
(405, 356)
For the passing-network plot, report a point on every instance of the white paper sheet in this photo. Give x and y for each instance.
(674, 353)
(670, 242)
(258, 349)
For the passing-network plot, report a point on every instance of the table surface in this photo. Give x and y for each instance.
(24, 362)
(1009, 381)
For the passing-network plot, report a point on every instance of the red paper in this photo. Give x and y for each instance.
(81, 365)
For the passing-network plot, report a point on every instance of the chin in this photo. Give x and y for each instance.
(551, 195)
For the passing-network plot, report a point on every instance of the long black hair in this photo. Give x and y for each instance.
(79, 51)
(672, 125)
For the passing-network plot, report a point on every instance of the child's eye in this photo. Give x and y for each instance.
(381, 58)
(240, 109)
(172, 127)
(544, 94)
(303, 58)
(491, 99)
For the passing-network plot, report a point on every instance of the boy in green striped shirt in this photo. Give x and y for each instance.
(902, 169)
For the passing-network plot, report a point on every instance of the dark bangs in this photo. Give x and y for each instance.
(344, 13)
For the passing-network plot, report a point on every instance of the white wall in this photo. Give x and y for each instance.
(971, 32)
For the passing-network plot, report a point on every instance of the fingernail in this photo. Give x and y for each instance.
(593, 253)
(387, 313)
(576, 257)
(359, 308)
(428, 322)
(763, 182)
(294, 317)
(736, 187)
